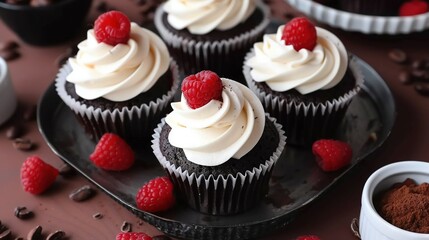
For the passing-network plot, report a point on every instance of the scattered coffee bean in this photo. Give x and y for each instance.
(418, 74)
(35, 233)
(67, 171)
(5, 234)
(161, 237)
(398, 56)
(23, 213)
(97, 216)
(423, 89)
(10, 55)
(23, 144)
(8, 45)
(126, 227)
(405, 77)
(57, 235)
(417, 64)
(30, 113)
(14, 131)
(82, 193)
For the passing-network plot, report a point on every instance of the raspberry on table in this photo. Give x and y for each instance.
(156, 195)
(37, 175)
(413, 7)
(201, 88)
(133, 236)
(112, 153)
(112, 28)
(300, 33)
(331, 154)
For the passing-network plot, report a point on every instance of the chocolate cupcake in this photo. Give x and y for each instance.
(308, 91)
(124, 88)
(220, 156)
(211, 35)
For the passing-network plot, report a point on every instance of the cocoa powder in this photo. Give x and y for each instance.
(406, 205)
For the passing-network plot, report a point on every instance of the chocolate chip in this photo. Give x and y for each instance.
(126, 227)
(14, 131)
(423, 89)
(35, 233)
(23, 144)
(23, 213)
(9, 55)
(8, 45)
(97, 216)
(397, 55)
(57, 235)
(405, 77)
(81, 194)
(161, 237)
(66, 171)
(5, 234)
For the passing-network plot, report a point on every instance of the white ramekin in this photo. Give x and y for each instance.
(371, 225)
(8, 101)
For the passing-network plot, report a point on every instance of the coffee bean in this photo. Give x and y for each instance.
(97, 216)
(417, 64)
(23, 144)
(5, 234)
(423, 89)
(126, 227)
(8, 45)
(57, 235)
(67, 171)
(30, 113)
(397, 55)
(405, 77)
(35, 233)
(23, 213)
(418, 74)
(10, 55)
(82, 193)
(161, 237)
(14, 131)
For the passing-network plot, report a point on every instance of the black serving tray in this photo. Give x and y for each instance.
(296, 182)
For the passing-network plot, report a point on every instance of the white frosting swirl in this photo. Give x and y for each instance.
(214, 133)
(120, 72)
(282, 68)
(203, 16)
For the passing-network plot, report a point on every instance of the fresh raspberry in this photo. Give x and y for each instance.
(300, 33)
(112, 28)
(201, 88)
(413, 7)
(133, 236)
(308, 237)
(332, 154)
(156, 195)
(37, 175)
(112, 153)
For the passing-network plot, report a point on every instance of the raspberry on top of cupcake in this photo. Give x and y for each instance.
(216, 119)
(299, 56)
(118, 60)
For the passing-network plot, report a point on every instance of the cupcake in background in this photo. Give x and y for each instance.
(218, 146)
(122, 79)
(211, 34)
(305, 78)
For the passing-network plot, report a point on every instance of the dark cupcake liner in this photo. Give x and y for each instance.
(225, 194)
(223, 57)
(133, 124)
(305, 123)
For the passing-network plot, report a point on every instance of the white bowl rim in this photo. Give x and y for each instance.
(391, 169)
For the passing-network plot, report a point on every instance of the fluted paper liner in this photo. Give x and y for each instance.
(223, 57)
(305, 123)
(226, 194)
(133, 124)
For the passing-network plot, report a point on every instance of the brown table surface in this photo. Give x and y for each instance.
(328, 217)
